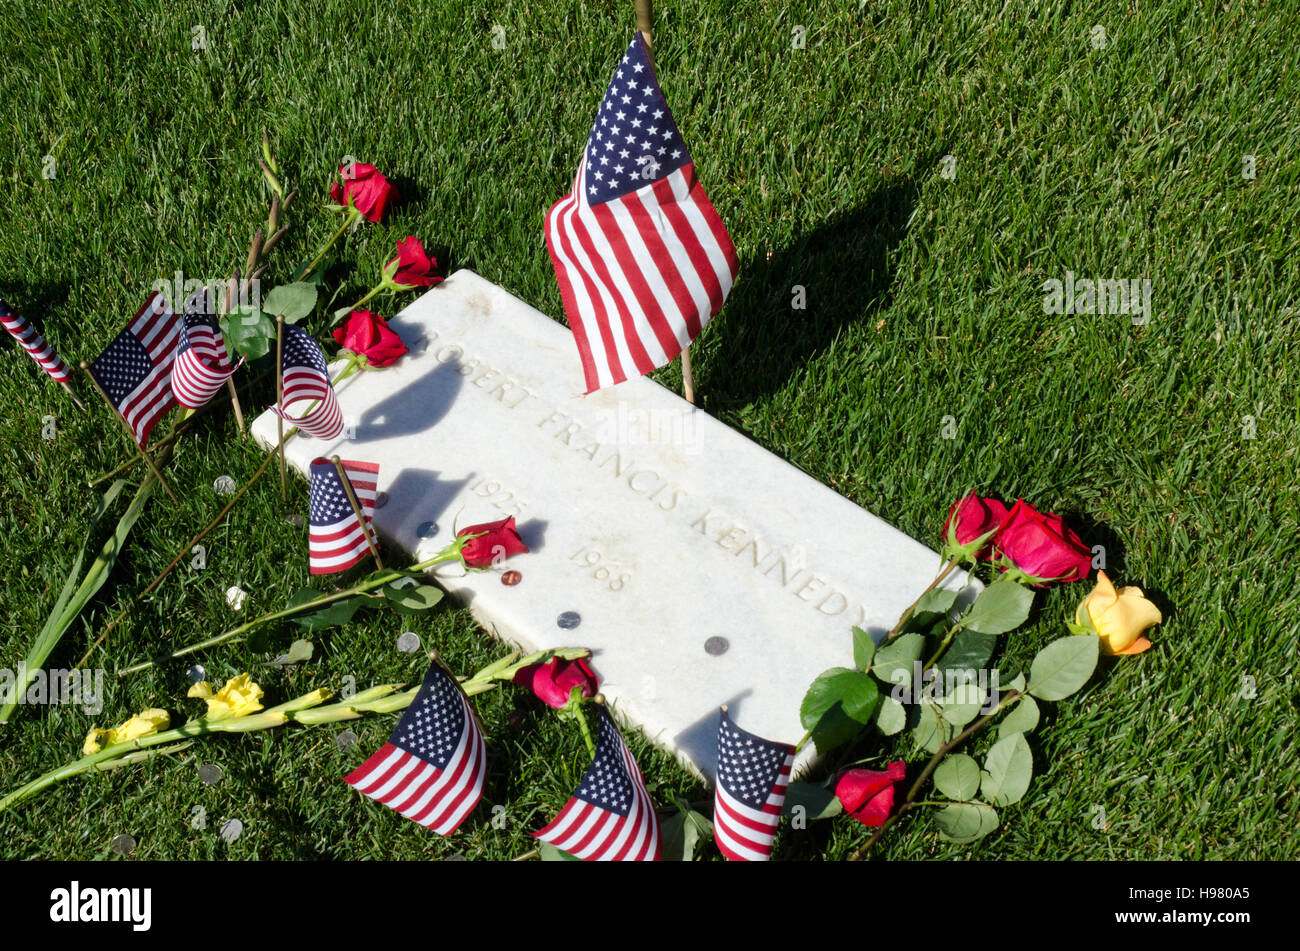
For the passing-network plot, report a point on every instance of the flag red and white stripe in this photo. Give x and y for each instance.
(202, 363)
(641, 257)
(431, 770)
(33, 343)
(752, 777)
(610, 817)
(336, 539)
(307, 382)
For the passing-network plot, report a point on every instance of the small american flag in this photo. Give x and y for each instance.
(431, 769)
(610, 817)
(33, 343)
(202, 363)
(336, 540)
(642, 259)
(135, 369)
(753, 774)
(306, 378)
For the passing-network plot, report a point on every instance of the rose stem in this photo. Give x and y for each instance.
(944, 749)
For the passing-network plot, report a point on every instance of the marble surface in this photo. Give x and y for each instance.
(699, 568)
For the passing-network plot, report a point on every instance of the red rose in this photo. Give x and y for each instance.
(370, 192)
(1042, 545)
(415, 268)
(501, 540)
(553, 681)
(867, 794)
(972, 516)
(368, 334)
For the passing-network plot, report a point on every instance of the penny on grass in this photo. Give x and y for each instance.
(511, 577)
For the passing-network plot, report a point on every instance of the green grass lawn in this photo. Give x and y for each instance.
(1172, 443)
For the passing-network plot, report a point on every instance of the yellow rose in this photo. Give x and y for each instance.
(144, 723)
(238, 698)
(1118, 617)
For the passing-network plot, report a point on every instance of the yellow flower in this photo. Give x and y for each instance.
(238, 698)
(1118, 617)
(144, 723)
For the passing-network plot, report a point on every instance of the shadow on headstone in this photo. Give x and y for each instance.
(414, 408)
(533, 533)
(421, 492)
(699, 741)
(844, 268)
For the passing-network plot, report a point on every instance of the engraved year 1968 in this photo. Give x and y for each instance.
(602, 569)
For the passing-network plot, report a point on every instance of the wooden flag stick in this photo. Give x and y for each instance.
(207, 528)
(127, 426)
(356, 510)
(279, 398)
(643, 25)
(688, 381)
(73, 393)
(234, 402)
(232, 289)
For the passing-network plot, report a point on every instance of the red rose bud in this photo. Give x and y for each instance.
(554, 681)
(415, 267)
(501, 541)
(970, 517)
(370, 192)
(369, 335)
(1042, 545)
(867, 794)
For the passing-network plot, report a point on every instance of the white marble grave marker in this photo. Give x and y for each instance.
(699, 568)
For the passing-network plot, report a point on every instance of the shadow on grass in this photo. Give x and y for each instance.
(35, 302)
(844, 266)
